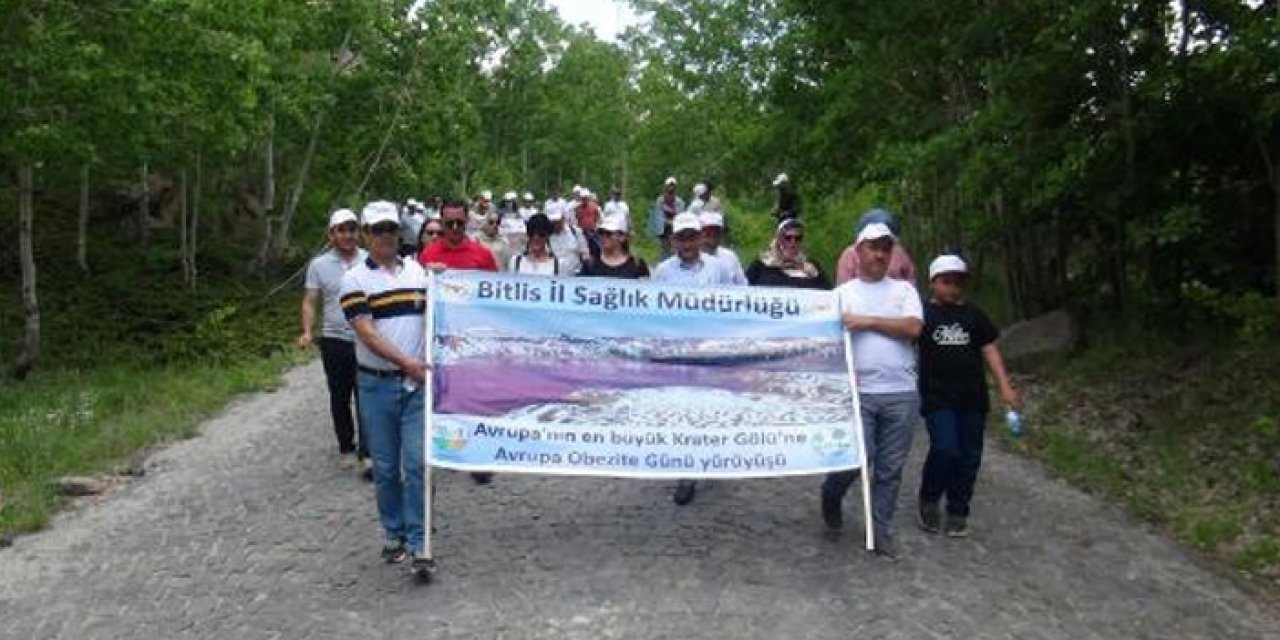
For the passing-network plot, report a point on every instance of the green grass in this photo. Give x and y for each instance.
(65, 422)
(1186, 436)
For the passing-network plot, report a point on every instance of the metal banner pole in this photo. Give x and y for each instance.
(858, 432)
(428, 405)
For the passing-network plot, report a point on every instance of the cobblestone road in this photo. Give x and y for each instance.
(250, 531)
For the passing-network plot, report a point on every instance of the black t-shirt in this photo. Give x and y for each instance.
(951, 369)
(633, 268)
(759, 275)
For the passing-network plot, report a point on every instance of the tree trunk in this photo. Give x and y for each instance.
(295, 196)
(144, 207)
(382, 148)
(29, 346)
(82, 227)
(182, 227)
(193, 236)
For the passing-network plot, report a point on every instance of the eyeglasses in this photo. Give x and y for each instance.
(384, 228)
(454, 223)
(793, 237)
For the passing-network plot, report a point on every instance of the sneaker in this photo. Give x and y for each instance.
(366, 469)
(887, 547)
(423, 568)
(346, 461)
(482, 478)
(957, 527)
(930, 517)
(394, 552)
(684, 492)
(831, 511)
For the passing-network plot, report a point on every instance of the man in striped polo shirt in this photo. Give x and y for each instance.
(384, 298)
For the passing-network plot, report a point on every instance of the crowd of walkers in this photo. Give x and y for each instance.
(913, 357)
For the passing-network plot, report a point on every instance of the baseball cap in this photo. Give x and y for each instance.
(614, 224)
(782, 177)
(711, 219)
(699, 189)
(670, 181)
(510, 195)
(528, 196)
(341, 217)
(555, 214)
(883, 216)
(685, 222)
(874, 231)
(947, 264)
(486, 194)
(379, 211)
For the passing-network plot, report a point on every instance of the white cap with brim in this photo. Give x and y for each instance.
(711, 219)
(341, 217)
(613, 224)
(670, 182)
(510, 195)
(528, 196)
(874, 231)
(782, 177)
(947, 264)
(486, 194)
(685, 222)
(379, 211)
(699, 189)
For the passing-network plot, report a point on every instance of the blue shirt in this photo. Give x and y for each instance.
(706, 272)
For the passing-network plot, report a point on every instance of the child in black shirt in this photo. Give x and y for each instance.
(957, 339)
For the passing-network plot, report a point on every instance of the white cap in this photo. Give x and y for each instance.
(510, 195)
(379, 211)
(685, 222)
(528, 195)
(586, 194)
(412, 203)
(782, 177)
(947, 264)
(699, 189)
(486, 194)
(577, 189)
(555, 213)
(341, 217)
(874, 231)
(711, 219)
(670, 181)
(613, 223)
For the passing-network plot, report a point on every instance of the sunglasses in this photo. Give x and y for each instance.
(431, 233)
(384, 228)
(454, 224)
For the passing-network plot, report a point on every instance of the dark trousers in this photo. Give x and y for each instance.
(339, 358)
(955, 454)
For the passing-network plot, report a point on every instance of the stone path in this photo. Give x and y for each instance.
(250, 531)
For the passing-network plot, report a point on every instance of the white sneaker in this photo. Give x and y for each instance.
(346, 461)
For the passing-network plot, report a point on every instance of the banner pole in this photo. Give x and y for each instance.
(428, 423)
(870, 535)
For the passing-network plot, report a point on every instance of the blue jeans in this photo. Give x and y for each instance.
(955, 454)
(392, 417)
(888, 420)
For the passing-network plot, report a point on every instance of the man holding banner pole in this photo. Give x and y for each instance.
(384, 299)
(884, 317)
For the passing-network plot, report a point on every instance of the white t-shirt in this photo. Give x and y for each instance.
(568, 247)
(525, 265)
(882, 364)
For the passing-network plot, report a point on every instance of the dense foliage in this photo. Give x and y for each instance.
(1109, 156)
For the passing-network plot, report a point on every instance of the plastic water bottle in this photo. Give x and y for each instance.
(1014, 420)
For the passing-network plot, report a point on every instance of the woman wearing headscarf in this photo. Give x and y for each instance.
(784, 264)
